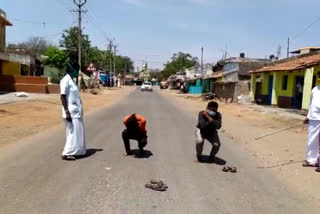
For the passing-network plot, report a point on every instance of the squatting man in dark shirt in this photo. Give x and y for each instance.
(209, 121)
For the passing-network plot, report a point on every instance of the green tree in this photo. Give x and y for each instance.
(179, 62)
(70, 41)
(95, 56)
(54, 57)
(124, 64)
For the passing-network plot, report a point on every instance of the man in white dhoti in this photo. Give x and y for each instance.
(313, 120)
(72, 114)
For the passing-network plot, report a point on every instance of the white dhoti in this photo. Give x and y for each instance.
(75, 138)
(313, 142)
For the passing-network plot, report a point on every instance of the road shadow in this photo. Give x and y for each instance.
(146, 154)
(89, 153)
(216, 160)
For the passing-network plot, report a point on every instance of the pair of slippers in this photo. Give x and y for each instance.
(231, 169)
(157, 185)
(307, 164)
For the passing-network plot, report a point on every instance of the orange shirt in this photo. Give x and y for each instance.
(142, 122)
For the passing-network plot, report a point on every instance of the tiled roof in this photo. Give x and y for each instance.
(293, 64)
(246, 67)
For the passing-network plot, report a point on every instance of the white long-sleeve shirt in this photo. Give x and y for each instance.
(314, 109)
(70, 89)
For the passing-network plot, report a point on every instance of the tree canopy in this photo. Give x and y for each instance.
(55, 57)
(70, 41)
(34, 45)
(179, 62)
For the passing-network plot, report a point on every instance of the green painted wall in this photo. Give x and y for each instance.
(199, 82)
(265, 83)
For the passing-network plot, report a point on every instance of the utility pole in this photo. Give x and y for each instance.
(288, 49)
(114, 59)
(79, 4)
(110, 49)
(201, 60)
(279, 52)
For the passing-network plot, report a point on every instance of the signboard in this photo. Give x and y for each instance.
(91, 67)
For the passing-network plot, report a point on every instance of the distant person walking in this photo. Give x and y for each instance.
(135, 130)
(209, 121)
(313, 121)
(72, 114)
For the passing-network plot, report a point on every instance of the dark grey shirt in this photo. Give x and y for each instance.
(206, 127)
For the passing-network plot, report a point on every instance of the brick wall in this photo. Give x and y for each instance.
(27, 84)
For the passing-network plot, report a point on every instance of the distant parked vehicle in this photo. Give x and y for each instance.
(163, 85)
(146, 86)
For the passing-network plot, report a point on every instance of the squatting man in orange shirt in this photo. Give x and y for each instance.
(135, 130)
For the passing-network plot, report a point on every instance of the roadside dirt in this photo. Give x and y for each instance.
(22, 119)
(281, 153)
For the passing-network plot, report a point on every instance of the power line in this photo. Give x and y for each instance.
(90, 19)
(64, 4)
(96, 24)
(307, 28)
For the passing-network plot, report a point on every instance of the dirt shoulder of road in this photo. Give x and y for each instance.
(281, 153)
(25, 118)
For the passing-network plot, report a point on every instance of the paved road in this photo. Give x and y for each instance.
(33, 178)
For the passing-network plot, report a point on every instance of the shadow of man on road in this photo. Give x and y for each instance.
(89, 153)
(146, 154)
(218, 161)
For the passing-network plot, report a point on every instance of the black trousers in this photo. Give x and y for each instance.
(212, 138)
(140, 137)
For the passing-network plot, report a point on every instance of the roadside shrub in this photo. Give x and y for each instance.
(56, 76)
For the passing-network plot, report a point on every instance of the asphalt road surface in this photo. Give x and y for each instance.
(34, 179)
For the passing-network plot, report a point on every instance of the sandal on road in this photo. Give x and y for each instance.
(233, 169)
(226, 168)
(307, 164)
(156, 187)
(159, 182)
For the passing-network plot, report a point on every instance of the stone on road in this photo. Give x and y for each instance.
(34, 179)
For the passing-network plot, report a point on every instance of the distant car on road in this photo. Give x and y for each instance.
(146, 86)
(164, 85)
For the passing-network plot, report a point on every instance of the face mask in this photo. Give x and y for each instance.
(212, 113)
(74, 73)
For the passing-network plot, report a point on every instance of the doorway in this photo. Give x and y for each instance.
(298, 92)
(270, 86)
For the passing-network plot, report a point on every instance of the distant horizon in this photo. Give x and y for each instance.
(154, 31)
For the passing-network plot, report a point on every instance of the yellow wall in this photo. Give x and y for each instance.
(265, 83)
(11, 68)
(289, 92)
(277, 91)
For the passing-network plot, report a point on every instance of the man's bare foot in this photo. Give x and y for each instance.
(127, 154)
(68, 157)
